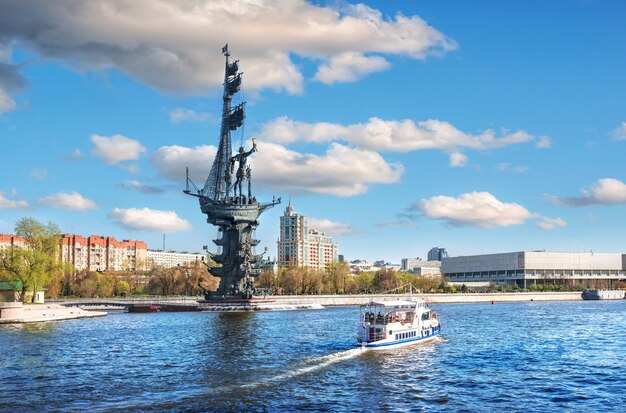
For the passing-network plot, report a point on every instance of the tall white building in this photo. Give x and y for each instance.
(301, 246)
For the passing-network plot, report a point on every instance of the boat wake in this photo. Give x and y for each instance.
(308, 366)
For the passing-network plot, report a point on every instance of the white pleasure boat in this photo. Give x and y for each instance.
(391, 324)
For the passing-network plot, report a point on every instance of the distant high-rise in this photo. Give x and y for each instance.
(301, 246)
(437, 254)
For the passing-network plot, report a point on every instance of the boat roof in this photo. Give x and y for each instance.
(396, 303)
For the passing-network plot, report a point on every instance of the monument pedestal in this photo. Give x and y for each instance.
(238, 304)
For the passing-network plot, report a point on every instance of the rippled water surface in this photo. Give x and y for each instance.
(526, 357)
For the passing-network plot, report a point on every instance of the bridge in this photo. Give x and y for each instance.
(142, 304)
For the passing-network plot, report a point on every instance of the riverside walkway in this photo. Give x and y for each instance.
(326, 300)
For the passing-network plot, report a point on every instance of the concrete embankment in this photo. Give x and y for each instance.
(35, 313)
(336, 300)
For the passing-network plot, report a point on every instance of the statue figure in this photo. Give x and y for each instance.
(243, 171)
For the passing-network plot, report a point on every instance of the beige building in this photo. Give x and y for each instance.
(302, 246)
(10, 292)
(98, 253)
(11, 241)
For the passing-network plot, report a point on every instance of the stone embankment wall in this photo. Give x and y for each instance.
(11, 310)
(329, 300)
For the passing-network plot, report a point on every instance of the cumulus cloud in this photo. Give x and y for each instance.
(182, 115)
(146, 219)
(72, 202)
(349, 67)
(341, 170)
(393, 136)
(175, 46)
(6, 203)
(619, 133)
(457, 160)
(11, 81)
(551, 223)
(6, 103)
(171, 162)
(334, 228)
(141, 187)
(605, 191)
(116, 148)
(480, 209)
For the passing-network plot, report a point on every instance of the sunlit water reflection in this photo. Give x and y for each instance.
(530, 357)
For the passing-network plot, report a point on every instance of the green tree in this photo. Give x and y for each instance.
(34, 265)
(336, 275)
(122, 288)
(363, 282)
(386, 280)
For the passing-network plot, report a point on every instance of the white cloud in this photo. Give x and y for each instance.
(551, 223)
(146, 219)
(341, 170)
(605, 191)
(181, 115)
(176, 46)
(480, 209)
(393, 136)
(116, 148)
(619, 133)
(349, 67)
(6, 203)
(504, 166)
(6, 103)
(543, 142)
(457, 160)
(141, 187)
(72, 202)
(11, 81)
(75, 155)
(40, 174)
(171, 162)
(334, 228)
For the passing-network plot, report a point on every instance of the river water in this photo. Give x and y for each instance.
(516, 357)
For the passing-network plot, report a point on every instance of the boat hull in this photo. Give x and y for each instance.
(388, 344)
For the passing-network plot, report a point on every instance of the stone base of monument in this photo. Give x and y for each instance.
(235, 304)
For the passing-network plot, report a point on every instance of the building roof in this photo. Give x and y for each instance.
(11, 286)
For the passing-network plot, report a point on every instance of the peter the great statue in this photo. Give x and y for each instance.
(226, 206)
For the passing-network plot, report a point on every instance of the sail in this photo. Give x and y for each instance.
(234, 84)
(236, 117)
(232, 68)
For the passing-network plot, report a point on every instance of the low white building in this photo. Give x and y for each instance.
(360, 266)
(169, 259)
(525, 267)
(418, 266)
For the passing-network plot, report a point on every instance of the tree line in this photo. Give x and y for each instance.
(38, 266)
(336, 278)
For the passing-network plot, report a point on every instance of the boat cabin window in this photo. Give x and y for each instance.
(426, 315)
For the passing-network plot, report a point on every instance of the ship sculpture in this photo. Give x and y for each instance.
(223, 200)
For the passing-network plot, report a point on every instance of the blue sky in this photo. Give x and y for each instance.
(398, 126)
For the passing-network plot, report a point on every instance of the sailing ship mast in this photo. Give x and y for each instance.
(217, 186)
